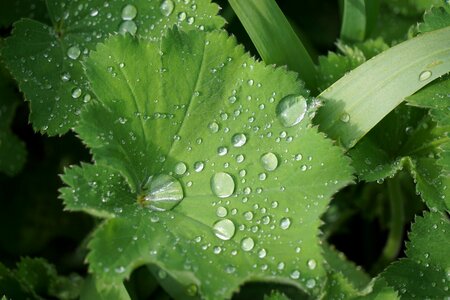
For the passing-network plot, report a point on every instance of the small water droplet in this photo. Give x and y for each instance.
(295, 274)
(239, 140)
(167, 7)
(285, 223)
(291, 110)
(128, 27)
(345, 117)
(311, 264)
(161, 193)
(181, 16)
(247, 244)
(221, 212)
(73, 52)
(310, 283)
(222, 150)
(213, 127)
(199, 166)
(76, 93)
(222, 184)
(425, 75)
(129, 12)
(262, 253)
(65, 77)
(240, 158)
(180, 168)
(248, 215)
(224, 229)
(269, 161)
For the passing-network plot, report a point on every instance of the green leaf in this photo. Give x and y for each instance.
(273, 36)
(274, 295)
(12, 149)
(424, 274)
(201, 116)
(411, 7)
(46, 60)
(353, 20)
(90, 291)
(352, 106)
(435, 18)
(410, 141)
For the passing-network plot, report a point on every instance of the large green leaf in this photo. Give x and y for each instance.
(200, 117)
(424, 274)
(45, 60)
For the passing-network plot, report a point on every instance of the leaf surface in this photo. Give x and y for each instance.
(45, 60)
(204, 113)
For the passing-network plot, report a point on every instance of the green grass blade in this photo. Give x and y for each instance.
(354, 20)
(359, 100)
(274, 37)
(372, 10)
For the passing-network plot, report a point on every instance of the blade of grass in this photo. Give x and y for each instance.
(274, 37)
(358, 101)
(372, 10)
(353, 21)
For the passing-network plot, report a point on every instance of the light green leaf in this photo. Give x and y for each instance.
(12, 149)
(352, 105)
(201, 116)
(89, 291)
(46, 60)
(424, 274)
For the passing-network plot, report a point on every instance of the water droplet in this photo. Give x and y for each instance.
(217, 250)
(221, 212)
(129, 12)
(162, 192)
(345, 117)
(291, 110)
(73, 52)
(213, 127)
(190, 20)
(269, 161)
(248, 215)
(262, 253)
(180, 168)
(247, 244)
(76, 93)
(238, 140)
(285, 223)
(128, 27)
(311, 264)
(181, 16)
(224, 229)
(425, 75)
(262, 176)
(222, 150)
(199, 166)
(240, 158)
(222, 184)
(65, 77)
(167, 7)
(295, 274)
(310, 283)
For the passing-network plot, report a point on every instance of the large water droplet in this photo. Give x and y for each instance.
(76, 93)
(310, 283)
(222, 184)
(128, 27)
(285, 223)
(129, 12)
(238, 140)
(167, 7)
(73, 52)
(224, 229)
(291, 110)
(295, 274)
(221, 212)
(180, 168)
(247, 244)
(269, 161)
(425, 75)
(162, 192)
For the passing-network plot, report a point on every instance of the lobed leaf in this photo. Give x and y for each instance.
(46, 60)
(203, 117)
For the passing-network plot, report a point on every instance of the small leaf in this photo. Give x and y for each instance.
(203, 113)
(46, 60)
(427, 256)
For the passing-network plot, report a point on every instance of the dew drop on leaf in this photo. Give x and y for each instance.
(224, 229)
(162, 192)
(248, 215)
(221, 212)
(213, 127)
(167, 7)
(311, 264)
(269, 161)
(222, 184)
(345, 117)
(425, 75)
(291, 110)
(76, 93)
(129, 12)
(295, 274)
(73, 52)
(262, 253)
(199, 166)
(128, 27)
(310, 283)
(239, 140)
(285, 223)
(222, 150)
(181, 16)
(247, 244)
(180, 168)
